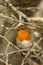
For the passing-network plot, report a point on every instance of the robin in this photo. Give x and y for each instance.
(23, 38)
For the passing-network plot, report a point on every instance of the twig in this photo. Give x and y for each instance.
(7, 17)
(22, 14)
(1, 54)
(9, 42)
(10, 28)
(2, 61)
(28, 8)
(18, 51)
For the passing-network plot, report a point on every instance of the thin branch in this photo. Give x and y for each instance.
(27, 8)
(9, 42)
(2, 61)
(7, 17)
(10, 28)
(22, 14)
(18, 51)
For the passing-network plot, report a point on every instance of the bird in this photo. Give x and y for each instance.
(23, 38)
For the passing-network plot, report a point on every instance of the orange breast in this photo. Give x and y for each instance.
(23, 34)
